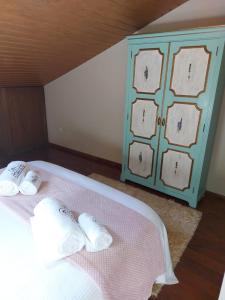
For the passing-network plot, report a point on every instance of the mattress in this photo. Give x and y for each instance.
(21, 275)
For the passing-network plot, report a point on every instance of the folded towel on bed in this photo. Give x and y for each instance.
(11, 177)
(97, 237)
(30, 183)
(55, 230)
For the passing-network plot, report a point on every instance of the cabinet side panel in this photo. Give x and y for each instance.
(213, 126)
(126, 111)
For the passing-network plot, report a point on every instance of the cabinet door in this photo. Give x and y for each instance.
(191, 67)
(146, 74)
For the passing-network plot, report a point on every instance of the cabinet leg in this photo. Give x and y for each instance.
(122, 178)
(193, 202)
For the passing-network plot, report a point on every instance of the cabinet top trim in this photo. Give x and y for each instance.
(211, 30)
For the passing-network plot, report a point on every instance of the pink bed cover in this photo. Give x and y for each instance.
(128, 269)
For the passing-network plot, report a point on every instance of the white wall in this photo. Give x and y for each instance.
(85, 106)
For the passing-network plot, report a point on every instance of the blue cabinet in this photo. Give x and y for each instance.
(174, 87)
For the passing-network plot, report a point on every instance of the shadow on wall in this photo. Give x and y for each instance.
(183, 25)
(77, 139)
(215, 180)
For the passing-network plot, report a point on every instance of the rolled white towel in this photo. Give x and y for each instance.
(53, 211)
(30, 183)
(55, 230)
(98, 238)
(11, 177)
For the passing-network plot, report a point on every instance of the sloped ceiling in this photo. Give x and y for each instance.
(43, 39)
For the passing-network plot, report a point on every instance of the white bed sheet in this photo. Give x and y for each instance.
(23, 278)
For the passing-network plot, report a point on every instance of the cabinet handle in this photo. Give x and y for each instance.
(159, 121)
(163, 122)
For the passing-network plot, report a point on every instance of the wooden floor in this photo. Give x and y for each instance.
(202, 266)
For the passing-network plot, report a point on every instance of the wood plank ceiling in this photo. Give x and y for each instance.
(43, 39)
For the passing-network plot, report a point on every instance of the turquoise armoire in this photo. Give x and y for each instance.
(174, 89)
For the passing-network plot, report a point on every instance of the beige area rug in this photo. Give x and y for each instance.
(180, 221)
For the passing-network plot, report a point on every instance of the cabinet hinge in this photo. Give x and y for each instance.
(217, 49)
(203, 128)
(131, 54)
(193, 190)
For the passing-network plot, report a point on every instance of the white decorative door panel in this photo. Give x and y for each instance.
(144, 118)
(148, 65)
(190, 71)
(176, 169)
(182, 124)
(140, 159)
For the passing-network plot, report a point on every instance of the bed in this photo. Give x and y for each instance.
(23, 277)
